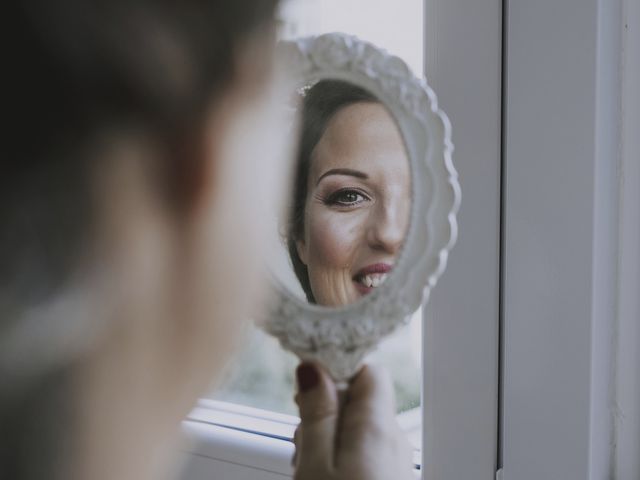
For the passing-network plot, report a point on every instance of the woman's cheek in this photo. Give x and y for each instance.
(333, 239)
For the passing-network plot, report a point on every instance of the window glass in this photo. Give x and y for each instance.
(262, 375)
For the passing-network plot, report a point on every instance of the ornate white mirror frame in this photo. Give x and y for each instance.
(339, 338)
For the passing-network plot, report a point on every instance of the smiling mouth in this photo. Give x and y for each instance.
(371, 276)
(371, 280)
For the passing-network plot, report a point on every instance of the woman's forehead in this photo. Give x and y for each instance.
(360, 136)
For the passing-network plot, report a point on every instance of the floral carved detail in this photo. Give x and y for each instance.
(340, 338)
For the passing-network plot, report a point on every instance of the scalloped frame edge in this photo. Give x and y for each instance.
(339, 339)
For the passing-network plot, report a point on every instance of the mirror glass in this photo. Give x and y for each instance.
(347, 211)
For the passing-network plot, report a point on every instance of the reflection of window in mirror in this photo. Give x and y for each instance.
(362, 18)
(262, 375)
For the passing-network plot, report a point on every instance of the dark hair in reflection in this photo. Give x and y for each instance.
(320, 103)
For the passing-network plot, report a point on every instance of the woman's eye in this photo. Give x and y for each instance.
(346, 198)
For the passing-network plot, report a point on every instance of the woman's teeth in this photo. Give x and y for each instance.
(373, 280)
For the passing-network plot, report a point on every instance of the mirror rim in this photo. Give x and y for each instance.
(339, 338)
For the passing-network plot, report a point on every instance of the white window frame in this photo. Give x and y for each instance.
(460, 331)
(249, 442)
(571, 394)
(254, 440)
(463, 63)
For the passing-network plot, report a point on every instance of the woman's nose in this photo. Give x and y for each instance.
(388, 227)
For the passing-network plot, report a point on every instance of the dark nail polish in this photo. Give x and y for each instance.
(308, 377)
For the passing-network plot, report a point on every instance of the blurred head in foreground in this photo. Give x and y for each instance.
(140, 148)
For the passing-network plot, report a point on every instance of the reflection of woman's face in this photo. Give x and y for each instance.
(357, 206)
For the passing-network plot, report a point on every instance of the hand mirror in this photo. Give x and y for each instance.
(371, 215)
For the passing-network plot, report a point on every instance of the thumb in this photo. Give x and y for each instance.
(371, 392)
(369, 409)
(317, 399)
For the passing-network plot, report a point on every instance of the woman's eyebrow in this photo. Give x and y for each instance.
(343, 171)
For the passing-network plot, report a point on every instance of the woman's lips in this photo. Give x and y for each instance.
(371, 276)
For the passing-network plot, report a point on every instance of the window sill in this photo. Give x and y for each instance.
(242, 436)
(254, 439)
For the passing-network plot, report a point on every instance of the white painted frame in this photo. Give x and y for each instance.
(572, 234)
(463, 63)
(626, 459)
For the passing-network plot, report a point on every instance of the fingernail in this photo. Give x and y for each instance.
(308, 377)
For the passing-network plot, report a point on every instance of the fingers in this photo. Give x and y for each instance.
(317, 400)
(364, 441)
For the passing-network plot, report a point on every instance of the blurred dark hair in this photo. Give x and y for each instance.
(320, 103)
(75, 72)
(78, 70)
